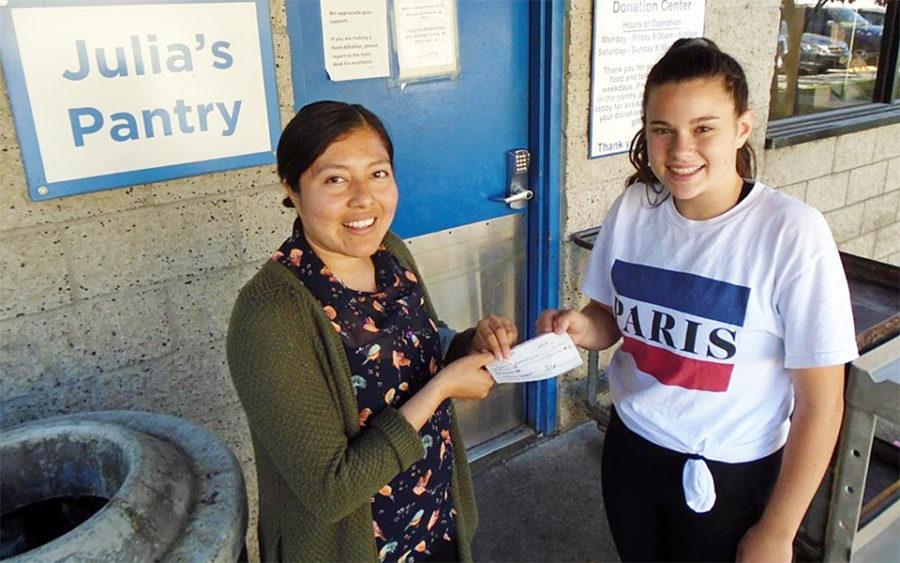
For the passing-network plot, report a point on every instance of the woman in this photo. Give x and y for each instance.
(344, 370)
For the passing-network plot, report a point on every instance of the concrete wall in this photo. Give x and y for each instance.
(120, 299)
(853, 179)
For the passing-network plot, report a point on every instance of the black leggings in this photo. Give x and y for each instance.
(447, 552)
(645, 504)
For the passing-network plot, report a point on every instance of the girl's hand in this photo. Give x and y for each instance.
(560, 321)
(764, 546)
(495, 335)
(465, 378)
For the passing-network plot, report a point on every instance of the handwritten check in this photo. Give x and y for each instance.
(543, 357)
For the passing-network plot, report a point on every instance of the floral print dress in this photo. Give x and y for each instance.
(393, 349)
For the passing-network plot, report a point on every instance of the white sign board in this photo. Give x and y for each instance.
(629, 37)
(110, 95)
(355, 39)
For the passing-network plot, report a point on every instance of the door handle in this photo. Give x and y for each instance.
(518, 162)
(521, 196)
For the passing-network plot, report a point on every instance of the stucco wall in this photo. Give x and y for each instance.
(120, 299)
(853, 179)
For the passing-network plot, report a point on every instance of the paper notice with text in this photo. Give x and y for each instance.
(427, 38)
(355, 39)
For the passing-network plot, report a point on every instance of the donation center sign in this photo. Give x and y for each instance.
(113, 94)
(629, 37)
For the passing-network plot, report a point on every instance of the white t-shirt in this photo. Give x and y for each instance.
(714, 314)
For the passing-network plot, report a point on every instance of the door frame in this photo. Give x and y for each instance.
(545, 142)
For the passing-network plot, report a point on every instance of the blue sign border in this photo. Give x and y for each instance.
(28, 141)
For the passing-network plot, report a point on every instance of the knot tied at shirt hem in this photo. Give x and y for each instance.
(697, 481)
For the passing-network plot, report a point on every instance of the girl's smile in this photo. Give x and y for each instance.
(693, 136)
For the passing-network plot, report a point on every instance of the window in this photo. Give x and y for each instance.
(835, 69)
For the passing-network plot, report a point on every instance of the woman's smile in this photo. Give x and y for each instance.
(360, 225)
(346, 201)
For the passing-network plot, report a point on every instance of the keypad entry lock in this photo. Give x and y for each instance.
(518, 162)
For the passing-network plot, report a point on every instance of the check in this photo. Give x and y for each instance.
(542, 357)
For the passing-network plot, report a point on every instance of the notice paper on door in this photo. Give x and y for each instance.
(427, 38)
(355, 39)
(542, 357)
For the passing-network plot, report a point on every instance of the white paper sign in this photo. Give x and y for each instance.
(110, 95)
(355, 39)
(542, 357)
(629, 37)
(427, 38)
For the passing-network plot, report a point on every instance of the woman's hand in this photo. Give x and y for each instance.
(466, 377)
(764, 546)
(495, 335)
(574, 323)
(463, 379)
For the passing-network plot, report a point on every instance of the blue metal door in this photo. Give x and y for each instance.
(450, 136)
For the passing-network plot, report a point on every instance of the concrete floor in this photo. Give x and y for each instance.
(545, 504)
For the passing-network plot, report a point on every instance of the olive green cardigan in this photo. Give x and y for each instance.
(317, 469)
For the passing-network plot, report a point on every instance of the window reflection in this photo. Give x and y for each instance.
(827, 56)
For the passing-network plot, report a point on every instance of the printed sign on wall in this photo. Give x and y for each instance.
(108, 95)
(629, 37)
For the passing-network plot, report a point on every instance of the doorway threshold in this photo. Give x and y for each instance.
(502, 447)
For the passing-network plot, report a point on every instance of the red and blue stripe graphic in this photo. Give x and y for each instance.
(703, 299)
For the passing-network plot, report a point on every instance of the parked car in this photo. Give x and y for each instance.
(818, 53)
(846, 24)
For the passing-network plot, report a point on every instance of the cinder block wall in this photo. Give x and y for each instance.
(853, 179)
(120, 299)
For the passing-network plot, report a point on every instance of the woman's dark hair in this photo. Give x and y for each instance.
(312, 131)
(688, 59)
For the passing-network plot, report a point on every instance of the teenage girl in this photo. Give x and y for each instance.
(735, 321)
